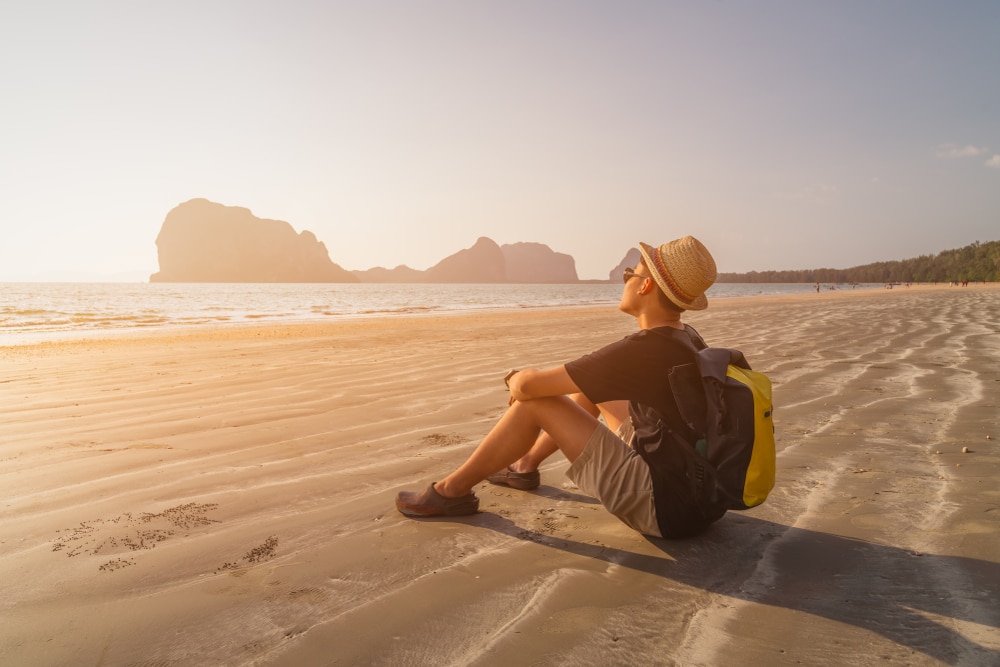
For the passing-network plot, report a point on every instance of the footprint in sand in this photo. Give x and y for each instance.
(129, 533)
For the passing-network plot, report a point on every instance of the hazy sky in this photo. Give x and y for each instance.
(784, 135)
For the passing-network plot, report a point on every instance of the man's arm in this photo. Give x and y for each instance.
(533, 383)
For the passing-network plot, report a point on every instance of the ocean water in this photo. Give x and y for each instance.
(32, 312)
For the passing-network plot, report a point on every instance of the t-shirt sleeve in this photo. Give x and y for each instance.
(635, 368)
(607, 374)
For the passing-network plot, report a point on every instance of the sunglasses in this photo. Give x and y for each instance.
(629, 274)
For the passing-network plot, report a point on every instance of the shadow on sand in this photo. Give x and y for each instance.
(894, 592)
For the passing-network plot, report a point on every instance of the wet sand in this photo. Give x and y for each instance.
(225, 496)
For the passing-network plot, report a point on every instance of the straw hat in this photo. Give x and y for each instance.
(683, 269)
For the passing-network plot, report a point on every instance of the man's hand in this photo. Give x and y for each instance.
(533, 383)
(506, 381)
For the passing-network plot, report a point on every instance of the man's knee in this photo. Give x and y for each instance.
(585, 403)
(569, 424)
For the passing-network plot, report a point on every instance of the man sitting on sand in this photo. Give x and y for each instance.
(640, 463)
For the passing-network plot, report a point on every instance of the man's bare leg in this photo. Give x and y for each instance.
(614, 413)
(568, 425)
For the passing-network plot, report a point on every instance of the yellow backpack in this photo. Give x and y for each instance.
(732, 421)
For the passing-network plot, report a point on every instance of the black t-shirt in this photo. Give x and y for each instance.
(637, 369)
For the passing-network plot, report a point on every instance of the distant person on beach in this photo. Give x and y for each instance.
(639, 462)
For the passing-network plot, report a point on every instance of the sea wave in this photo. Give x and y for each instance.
(32, 312)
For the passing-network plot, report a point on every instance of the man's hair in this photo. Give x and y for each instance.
(664, 301)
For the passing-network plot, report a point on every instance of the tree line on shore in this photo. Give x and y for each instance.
(977, 262)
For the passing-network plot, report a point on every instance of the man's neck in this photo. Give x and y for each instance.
(654, 320)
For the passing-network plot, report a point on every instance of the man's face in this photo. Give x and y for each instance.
(634, 279)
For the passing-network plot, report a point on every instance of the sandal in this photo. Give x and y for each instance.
(431, 503)
(525, 481)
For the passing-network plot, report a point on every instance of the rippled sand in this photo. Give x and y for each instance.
(224, 496)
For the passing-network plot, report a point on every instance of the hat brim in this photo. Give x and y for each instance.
(699, 303)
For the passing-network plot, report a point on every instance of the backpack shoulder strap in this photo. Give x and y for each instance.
(696, 340)
(686, 383)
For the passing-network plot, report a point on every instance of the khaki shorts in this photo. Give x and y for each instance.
(611, 471)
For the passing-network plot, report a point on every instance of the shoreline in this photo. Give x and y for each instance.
(70, 311)
(224, 495)
(311, 326)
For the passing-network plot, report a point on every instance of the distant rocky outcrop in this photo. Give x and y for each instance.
(400, 274)
(486, 262)
(482, 263)
(537, 263)
(632, 258)
(201, 241)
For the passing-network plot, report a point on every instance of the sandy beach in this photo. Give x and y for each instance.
(224, 496)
